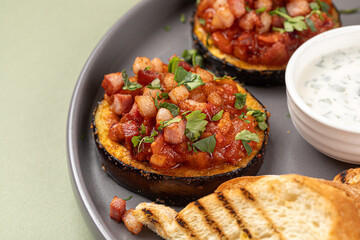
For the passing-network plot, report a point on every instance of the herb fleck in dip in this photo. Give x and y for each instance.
(330, 85)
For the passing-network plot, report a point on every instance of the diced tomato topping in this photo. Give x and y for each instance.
(185, 65)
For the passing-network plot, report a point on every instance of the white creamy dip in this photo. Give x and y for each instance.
(330, 85)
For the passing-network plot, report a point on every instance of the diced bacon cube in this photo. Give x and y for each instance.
(175, 132)
(145, 77)
(158, 144)
(158, 161)
(151, 92)
(131, 223)
(205, 76)
(214, 98)
(191, 105)
(162, 115)
(146, 106)
(112, 83)
(179, 94)
(122, 103)
(117, 208)
(185, 65)
(168, 82)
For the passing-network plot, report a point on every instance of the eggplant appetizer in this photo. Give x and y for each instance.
(253, 40)
(174, 133)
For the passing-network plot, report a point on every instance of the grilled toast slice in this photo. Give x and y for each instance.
(269, 207)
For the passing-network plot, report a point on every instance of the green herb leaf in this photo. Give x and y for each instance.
(174, 109)
(202, 21)
(222, 78)
(349, 11)
(240, 100)
(248, 9)
(188, 79)
(191, 56)
(311, 25)
(247, 136)
(259, 116)
(243, 117)
(260, 10)
(136, 140)
(206, 144)
(142, 129)
(290, 23)
(247, 147)
(195, 125)
(127, 84)
(217, 116)
(164, 95)
(262, 125)
(183, 18)
(127, 199)
(167, 123)
(280, 30)
(314, 6)
(147, 68)
(324, 6)
(173, 64)
(167, 28)
(154, 84)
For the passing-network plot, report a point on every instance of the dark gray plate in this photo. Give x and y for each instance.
(141, 33)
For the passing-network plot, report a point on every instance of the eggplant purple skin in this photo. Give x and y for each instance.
(221, 67)
(170, 190)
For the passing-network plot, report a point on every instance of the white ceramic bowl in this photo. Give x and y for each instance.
(339, 141)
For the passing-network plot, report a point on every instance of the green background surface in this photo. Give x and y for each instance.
(43, 46)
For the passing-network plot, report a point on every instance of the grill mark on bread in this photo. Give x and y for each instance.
(343, 176)
(252, 199)
(149, 215)
(247, 194)
(210, 222)
(227, 205)
(188, 230)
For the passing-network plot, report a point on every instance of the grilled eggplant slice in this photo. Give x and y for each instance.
(235, 55)
(179, 184)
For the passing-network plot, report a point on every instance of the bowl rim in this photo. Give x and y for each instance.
(290, 86)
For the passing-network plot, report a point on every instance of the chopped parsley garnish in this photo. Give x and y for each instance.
(248, 9)
(202, 21)
(167, 123)
(174, 109)
(167, 28)
(240, 100)
(259, 116)
(127, 199)
(154, 84)
(290, 23)
(138, 140)
(206, 144)
(188, 79)
(129, 85)
(217, 116)
(246, 136)
(222, 78)
(195, 125)
(260, 10)
(142, 129)
(349, 11)
(191, 56)
(243, 117)
(164, 95)
(173, 64)
(324, 6)
(183, 18)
